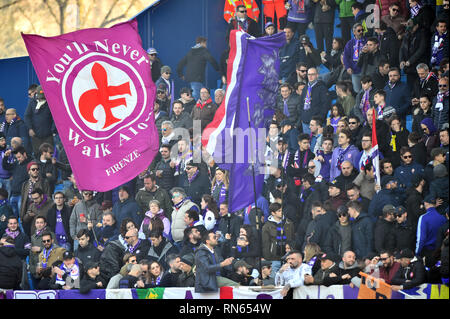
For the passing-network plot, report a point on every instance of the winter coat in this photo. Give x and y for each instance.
(322, 277)
(186, 279)
(362, 235)
(384, 197)
(156, 69)
(230, 225)
(88, 283)
(160, 253)
(183, 120)
(5, 212)
(413, 205)
(41, 210)
(439, 189)
(366, 185)
(319, 103)
(92, 212)
(410, 276)
(274, 248)
(353, 271)
(41, 121)
(378, 80)
(167, 181)
(111, 259)
(333, 240)
(317, 230)
(26, 202)
(55, 255)
(293, 102)
(143, 198)
(19, 172)
(415, 49)
(398, 97)
(198, 187)
(382, 230)
(389, 47)
(402, 236)
(17, 129)
(405, 173)
(195, 62)
(129, 208)
(178, 225)
(147, 220)
(288, 58)
(368, 62)
(429, 86)
(87, 254)
(204, 112)
(10, 268)
(207, 269)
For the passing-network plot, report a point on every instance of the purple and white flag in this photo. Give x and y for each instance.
(98, 85)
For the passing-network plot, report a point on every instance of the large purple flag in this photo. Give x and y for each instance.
(98, 85)
(252, 91)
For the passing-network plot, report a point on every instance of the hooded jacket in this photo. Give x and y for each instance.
(195, 62)
(353, 271)
(273, 246)
(149, 216)
(410, 276)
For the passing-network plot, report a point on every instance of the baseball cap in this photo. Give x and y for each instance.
(329, 256)
(152, 51)
(268, 24)
(67, 255)
(389, 209)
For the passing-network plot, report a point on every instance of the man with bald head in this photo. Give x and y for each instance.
(14, 126)
(348, 268)
(136, 245)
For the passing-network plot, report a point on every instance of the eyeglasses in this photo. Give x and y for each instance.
(189, 168)
(359, 30)
(395, 10)
(34, 169)
(303, 71)
(35, 198)
(311, 167)
(242, 11)
(442, 85)
(342, 215)
(352, 123)
(407, 156)
(383, 259)
(168, 72)
(128, 237)
(133, 261)
(161, 92)
(47, 241)
(153, 54)
(88, 194)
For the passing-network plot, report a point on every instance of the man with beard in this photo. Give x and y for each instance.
(49, 254)
(292, 274)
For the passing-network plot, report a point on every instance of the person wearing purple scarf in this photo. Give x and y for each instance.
(430, 135)
(39, 207)
(345, 152)
(352, 50)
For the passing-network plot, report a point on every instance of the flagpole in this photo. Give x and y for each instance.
(258, 213)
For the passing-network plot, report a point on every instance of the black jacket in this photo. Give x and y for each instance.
(111, 259)
(368, 62)
(195, 62)
(65, 215)
(333, 240)
(230, 224)
(10, 268)
(411, 276)
(402, 236)
(19, 173)
(88, 254)
(415, 49)
(389, 47)
(197, 188)
(41, 121)
(382, 230)
(317, 230)
(320, 103)
(160, 253)
(88, 283)
(413, 205)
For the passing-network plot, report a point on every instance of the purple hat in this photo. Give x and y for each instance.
(268, 24)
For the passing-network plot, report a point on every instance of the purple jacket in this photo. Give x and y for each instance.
(294, 15)
(352, 154)
(350, 58)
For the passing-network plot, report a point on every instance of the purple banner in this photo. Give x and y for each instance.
(97, 83)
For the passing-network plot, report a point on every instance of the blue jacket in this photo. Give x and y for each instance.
(128, 208)
(405, 173)
(362, 235)
(399, 97)
(289, 57)
(427, 229)
(17, 129)
(384, 197)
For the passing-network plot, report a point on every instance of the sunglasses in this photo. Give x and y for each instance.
(128, 237)
(407, 156)
(383, 259)
(359, 30)
(242, 11)
(311, 167)
(303, 71)
(352, 123)
(47, 241)
(442, 85)
(342, 215)
(395, 10)
(153, 54)
(34, 169)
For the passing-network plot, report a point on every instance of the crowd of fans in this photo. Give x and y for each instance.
(322, 217)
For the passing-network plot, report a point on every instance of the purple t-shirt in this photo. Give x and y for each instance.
(59, 230)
